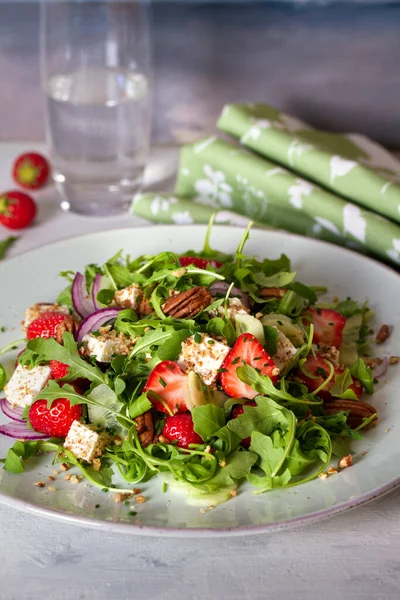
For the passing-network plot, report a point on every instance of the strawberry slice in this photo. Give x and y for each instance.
(45, 326)
(200, 263)
(247, 350)
(318, 367)
(169, 384)
(180, 428)
(55, 421)
(328, 326)
(58, 369)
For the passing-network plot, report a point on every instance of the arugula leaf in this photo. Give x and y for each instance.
(363, 373)
(11, 346)
(207, 420)
(5, 245)
(49, 349)
(225, 440)
(2, 377)
(271, 339)
(139, 406)
(271, 455)
(341, 386)
(171, 348)
(305, 291)
(65, 297)
(280, 279)
(155, 337)
(238, 465)
(265, 417)
(263, 385)
(348, 352)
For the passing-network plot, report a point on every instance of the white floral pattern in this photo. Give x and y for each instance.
(254, 200)
(354, 223)
(225, 216)
(258, 127)
(298, 190)
(214, 188)
(297, 148)
(340, 167)
(182, 218)
(394, 253)
(326, 224)
(161, 204)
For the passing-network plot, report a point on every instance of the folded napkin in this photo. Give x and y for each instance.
(215, 176)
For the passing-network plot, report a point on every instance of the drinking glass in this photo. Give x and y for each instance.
(95, 63)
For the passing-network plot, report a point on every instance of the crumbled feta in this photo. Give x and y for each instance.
(204, 357)
(34, 312)
(104, 346)
(86, 443)
(285, 351)
(25, 384)
(235, 307)
(129, 297)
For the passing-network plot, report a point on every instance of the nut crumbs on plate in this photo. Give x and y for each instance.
(346, 461)
(51, 488)
(74, 479)
(140, 499)
(39, 483)
(332, 471)
(323, 475)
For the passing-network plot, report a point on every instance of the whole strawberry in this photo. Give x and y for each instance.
(180, 427)
(17, 210)
(31, 170)
(45, 326)
(200, 263)
(55, 421)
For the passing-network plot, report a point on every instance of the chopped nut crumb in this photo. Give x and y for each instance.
(137, 491)
(275, 371)
(202, 511)
(51, 478)
(64, 467)
(162, 439)
(387, 430)
(74, 480)
(383, 334)
(51, 488)
(233, 493)
(222, 464)
(117, 441)
(56, 472)
(323, 475)
(67, 477)
(207, 449)
(96, 464)
(119, 497)
(210, 507)
(335, 299)
(332, 471)
(393, 360)
(140, 499)
(345, 461)
(364, 452)
(39, 483)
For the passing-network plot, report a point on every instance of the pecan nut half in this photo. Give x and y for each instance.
(69, 324)
(273, 292)
(186, 305)
(145, 308)
(145, 428)
(383, 334)
(358, 411)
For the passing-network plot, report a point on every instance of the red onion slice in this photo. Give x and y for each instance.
(12, 412)
(96, 287)
(381, 369)
(21, 431)
(82, 301)
(96, 320)
(220, 287)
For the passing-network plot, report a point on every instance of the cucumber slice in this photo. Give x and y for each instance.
(348, 351)
(196, 497)
(99, 415)
(285, 325)
(248, 324)
(196, 391)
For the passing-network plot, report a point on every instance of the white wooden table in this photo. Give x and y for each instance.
(353, 556)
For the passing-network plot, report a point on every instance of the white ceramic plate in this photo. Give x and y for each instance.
(34, 277)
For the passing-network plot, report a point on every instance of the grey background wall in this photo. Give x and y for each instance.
(334, 64)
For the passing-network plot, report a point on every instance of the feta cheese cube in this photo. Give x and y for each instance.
(104, 346)
(25, 384)
(34, 312)
(285, 351)
(235, 307)
(129, 297)
(204, 357)
(86, 443)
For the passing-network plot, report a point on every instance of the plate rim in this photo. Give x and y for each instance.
(198, 532)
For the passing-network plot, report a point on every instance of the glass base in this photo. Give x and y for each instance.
(98, 199)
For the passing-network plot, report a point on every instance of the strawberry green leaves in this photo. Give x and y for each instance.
(5, 245)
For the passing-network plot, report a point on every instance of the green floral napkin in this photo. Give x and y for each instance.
(215, 176)
(349, 165)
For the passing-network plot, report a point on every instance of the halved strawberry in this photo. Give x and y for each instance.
(45, 326)
(318, 367)
(55, 421)
(168, 383)
(200, 263)
(58, 369)
(328, 325)
(247, 350)
(180, 428)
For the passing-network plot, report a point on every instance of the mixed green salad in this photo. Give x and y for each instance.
(203, 369)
